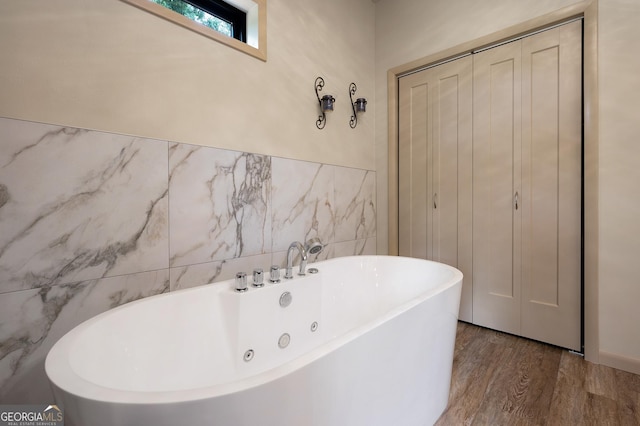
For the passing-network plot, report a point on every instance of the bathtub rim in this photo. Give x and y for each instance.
(63, 377)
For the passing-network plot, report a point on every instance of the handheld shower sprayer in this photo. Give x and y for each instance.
(314, 246)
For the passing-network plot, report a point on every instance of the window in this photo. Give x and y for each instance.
(240, 24)
(215, 14)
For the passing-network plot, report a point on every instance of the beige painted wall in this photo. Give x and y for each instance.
(407, 30)
(106, 65)
(619, 68)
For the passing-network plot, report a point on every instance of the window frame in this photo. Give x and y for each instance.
(226, 12)
(257, 50)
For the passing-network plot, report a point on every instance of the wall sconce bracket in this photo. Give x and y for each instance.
(325, 103)
(360, 105)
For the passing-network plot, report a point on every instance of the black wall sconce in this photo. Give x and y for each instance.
(360, 105)
(326, 103)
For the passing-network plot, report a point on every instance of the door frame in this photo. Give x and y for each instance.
(589, 12)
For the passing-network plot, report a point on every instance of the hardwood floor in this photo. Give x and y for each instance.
(499, 379)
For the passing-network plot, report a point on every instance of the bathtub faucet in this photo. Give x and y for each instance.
(303, 263)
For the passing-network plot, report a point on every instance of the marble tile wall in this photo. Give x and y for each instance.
(90, 220)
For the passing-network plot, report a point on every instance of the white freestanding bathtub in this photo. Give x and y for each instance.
(369, 341)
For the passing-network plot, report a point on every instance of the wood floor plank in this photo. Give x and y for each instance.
(522, 389)
(628, 397)
(500, 379)
(601, 380)
(569, 395)
(601, 411)
(468, 390)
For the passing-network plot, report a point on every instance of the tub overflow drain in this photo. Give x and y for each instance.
(284, 341)
(248, 355)
(314, 326)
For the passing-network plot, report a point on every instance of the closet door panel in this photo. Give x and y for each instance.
(452, 166)
(540, 173)
(435, 168)
(445, 171)
(413, 156)
(496, 157)
(551, 183)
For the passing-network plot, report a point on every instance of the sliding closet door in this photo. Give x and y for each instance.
(452, 156)
(414, 145)
(435, 163)
(496, 188)
(551, 185)
(527, 187)
(451, 162)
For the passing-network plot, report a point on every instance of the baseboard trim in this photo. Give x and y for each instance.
(632, 365)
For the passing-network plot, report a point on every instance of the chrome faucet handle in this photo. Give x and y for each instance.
(303, 267)
(288, 274)
(274, 274)
(241, 282)
(258, 277)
